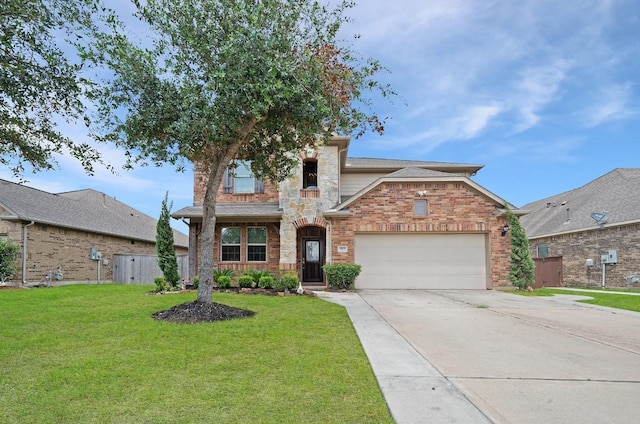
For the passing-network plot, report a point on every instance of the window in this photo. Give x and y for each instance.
(310, 174)
(239, 179)
(230, 243)
(257, 244)
(420, 207)
(542, 250)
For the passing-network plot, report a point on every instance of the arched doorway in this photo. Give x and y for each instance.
(311, 253)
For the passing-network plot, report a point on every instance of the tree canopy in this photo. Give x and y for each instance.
(220, 80)
(39, 84)
(521, 269)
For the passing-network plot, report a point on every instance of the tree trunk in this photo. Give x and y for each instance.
(207, 234)
(216, 167)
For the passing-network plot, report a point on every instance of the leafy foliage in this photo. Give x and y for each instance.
(222, 272)
(39, 84)
(286, 282)
(8, 255)
(521, 268)
(341, 276)
(266, 282)
(161, 284)
(165, 247)
(224, 281)
(245, 281)
(230, 79)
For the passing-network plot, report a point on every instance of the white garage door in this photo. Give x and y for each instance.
(421, 261)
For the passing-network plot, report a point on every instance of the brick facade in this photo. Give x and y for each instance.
(50, 247)
(451, 208)
(575, 248)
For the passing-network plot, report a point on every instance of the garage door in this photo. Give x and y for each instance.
(421, 261)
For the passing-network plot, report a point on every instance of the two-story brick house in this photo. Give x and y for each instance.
(410, 224)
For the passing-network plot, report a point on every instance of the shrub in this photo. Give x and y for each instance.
(217, 273)
(8, 254)
(245, 281)
(286, 282)
(161, 284)
(341, 276)
(266, 282)
(224, 281)
(257, 275)
(196, 281)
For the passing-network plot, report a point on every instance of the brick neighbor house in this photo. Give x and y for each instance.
(58, 233)
(589, 235)
(410, 224)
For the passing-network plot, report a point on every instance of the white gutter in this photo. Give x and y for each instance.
(24, 251)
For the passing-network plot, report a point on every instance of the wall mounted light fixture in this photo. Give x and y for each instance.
(505, 229)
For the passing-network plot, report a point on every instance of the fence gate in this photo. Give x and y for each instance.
(548, 272)
(142, 269)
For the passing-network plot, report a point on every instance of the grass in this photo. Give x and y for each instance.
(612, 300)
(92, 354)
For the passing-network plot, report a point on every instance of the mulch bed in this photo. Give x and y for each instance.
(194, 312)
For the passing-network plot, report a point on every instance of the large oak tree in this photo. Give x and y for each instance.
(40, 85)
(219, 80)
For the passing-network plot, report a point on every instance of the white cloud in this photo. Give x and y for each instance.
(611, 104)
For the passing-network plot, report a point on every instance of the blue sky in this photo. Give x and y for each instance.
(544, 93)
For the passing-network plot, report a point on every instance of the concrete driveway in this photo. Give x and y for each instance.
(524, 359)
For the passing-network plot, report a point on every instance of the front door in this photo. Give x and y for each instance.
(312, 260)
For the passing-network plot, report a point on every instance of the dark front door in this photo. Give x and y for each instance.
(312, 260)
(548, 272)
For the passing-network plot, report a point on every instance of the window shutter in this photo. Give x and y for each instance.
(259, 186)
(227, 181)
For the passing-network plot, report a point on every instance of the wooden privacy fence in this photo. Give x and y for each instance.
(142, 269)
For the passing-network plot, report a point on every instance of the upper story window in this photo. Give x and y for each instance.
(310, 174)
(240, 179)
(420, 207)
(230, 243)
(542, 251)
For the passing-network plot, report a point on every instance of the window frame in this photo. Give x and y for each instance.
(310, 176)
(229, 245)
(417, 211)
(543, 247)
(252, 245)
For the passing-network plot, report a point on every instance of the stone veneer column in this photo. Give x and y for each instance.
(296, 208)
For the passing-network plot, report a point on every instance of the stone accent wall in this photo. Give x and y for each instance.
(451, 208)
(306, 206)
(49, 247)
(576, 248)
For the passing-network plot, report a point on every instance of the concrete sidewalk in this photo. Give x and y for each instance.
(414, 390)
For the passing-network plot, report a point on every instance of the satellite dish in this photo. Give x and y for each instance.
(601, 218)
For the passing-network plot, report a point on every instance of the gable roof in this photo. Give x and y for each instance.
(617, 192)
(355, 165)
(413, 174)
(86, 210)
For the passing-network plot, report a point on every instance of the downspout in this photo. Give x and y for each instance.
(24, 251)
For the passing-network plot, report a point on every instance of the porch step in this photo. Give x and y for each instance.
(314, 286)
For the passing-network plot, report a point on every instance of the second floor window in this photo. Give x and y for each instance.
(310, 174)
(240, 179)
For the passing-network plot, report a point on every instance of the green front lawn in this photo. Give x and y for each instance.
(93, 354)
(612, 300)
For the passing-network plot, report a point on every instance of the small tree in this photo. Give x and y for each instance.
(165, 245)
(521, 267)
(8, 255)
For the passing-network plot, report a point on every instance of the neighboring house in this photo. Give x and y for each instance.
(588, 235)
(58, 233)
(410, 224)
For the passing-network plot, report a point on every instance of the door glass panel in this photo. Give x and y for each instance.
(313, 251)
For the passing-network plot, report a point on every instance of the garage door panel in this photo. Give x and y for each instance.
(421, 261)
